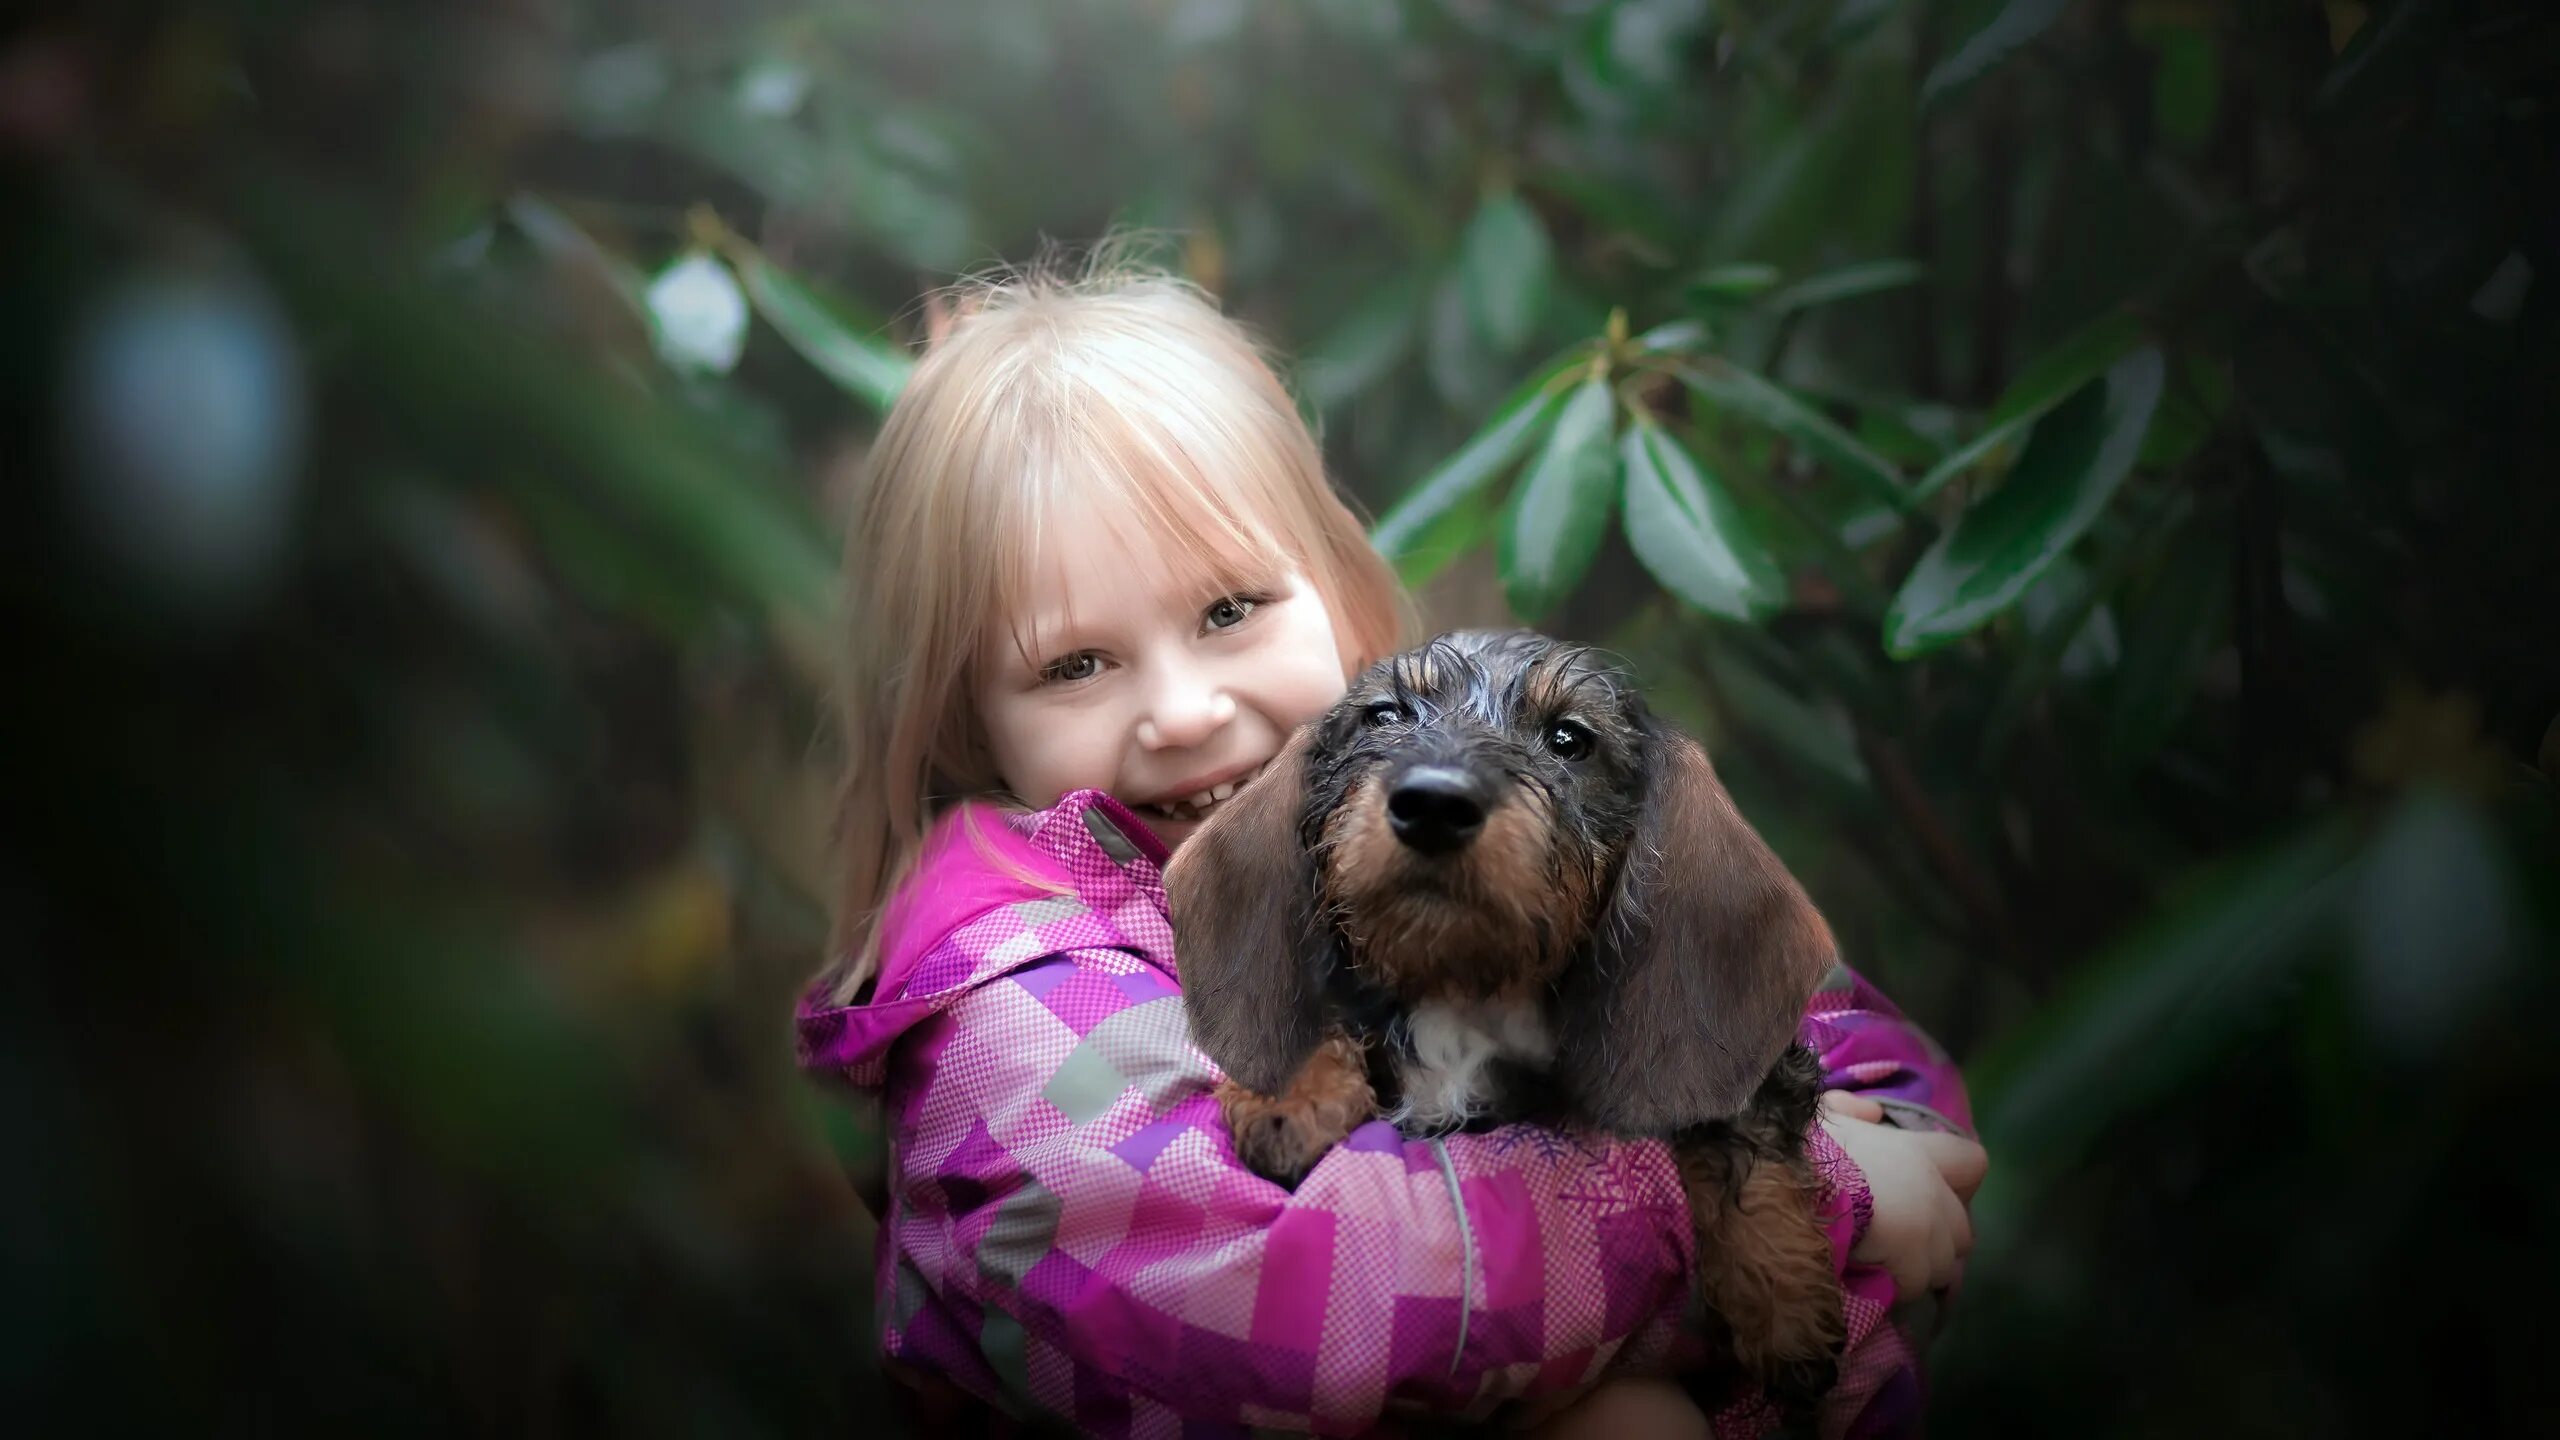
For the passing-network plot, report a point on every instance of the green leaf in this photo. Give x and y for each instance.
(1455, 531)
(1561, 509)
(2071, 629)
(1739, 281)
(1671, 335)
(2018, 22)
(1505, 262)
(2047, 381)
(2074, 461)
(1690, 533)
(1995, 440)
(818, 326)
(1521, 416)
(1802, 524)
(2051, 377)
(1755, 397)
(1366, 345)
(1848, 283)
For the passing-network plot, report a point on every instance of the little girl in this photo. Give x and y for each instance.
(1097, 575)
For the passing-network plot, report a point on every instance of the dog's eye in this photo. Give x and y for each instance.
(1382, 714)
(1568, 740)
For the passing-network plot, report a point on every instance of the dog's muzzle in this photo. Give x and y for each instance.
(1437, 809)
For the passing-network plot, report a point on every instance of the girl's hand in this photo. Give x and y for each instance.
(1921, 1182)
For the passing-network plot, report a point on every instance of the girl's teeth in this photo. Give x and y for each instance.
(1194, 806)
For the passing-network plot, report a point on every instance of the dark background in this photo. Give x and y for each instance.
(429, 422)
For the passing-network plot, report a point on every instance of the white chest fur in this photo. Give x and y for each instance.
(1448, 1076)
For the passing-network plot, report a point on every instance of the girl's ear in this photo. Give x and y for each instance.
(938, 318)
(1713, 951)
(1242, 891)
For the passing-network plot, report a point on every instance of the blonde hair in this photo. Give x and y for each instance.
(1119, 389)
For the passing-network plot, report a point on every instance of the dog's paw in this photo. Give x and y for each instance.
(1281, 1137)
(1275, 1137)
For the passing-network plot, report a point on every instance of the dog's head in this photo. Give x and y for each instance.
(1499, 814)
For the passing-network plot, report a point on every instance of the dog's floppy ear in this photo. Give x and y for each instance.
(1708, 954)
(1242, 893)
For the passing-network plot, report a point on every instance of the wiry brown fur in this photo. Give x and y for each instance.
(1764, 1264)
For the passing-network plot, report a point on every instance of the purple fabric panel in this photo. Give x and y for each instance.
(1867, 1045)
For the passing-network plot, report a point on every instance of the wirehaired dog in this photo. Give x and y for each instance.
(1491, 886)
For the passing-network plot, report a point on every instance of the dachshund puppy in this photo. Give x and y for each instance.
(1490, 886)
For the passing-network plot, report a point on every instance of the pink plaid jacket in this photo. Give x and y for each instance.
(1069, 1235)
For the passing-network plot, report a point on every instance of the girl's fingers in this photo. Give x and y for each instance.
(1853, 1105)
(1961, 1163)
(1959, 1224)
(1970, 1180)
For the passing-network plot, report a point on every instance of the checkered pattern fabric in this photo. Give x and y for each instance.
(1070, 1237)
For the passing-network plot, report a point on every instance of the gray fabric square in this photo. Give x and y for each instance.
(1086, 1086)
(1025, 1229)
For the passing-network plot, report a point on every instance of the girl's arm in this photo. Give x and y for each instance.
(1070, 1233)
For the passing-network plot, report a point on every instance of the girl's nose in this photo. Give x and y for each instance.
(1185, 715)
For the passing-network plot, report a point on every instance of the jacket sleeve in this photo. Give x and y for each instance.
(1867, 1045)
(1070, 1234)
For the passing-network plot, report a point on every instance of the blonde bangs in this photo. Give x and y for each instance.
(1208, 505)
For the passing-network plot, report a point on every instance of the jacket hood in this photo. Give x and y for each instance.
(1086, 871)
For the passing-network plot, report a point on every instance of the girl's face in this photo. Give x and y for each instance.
(1163, 697)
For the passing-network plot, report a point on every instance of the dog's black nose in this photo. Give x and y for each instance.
(1436, 808)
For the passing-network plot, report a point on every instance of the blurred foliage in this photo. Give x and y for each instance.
(2086, 466)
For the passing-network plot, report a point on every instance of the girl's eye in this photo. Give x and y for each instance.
(1568, 740)
(1068, 669)
(1229, 612)
(1382, 714)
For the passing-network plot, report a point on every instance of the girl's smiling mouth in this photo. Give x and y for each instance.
(1204, 796)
